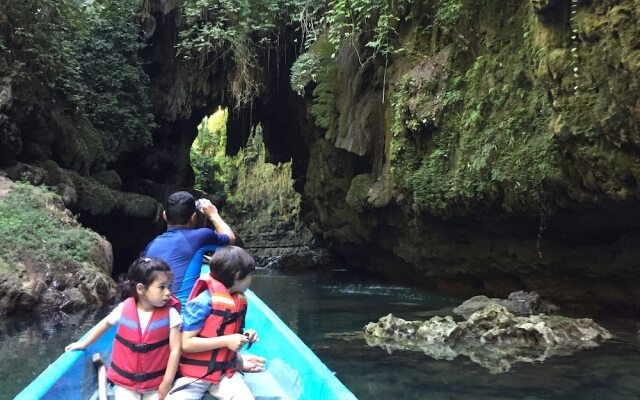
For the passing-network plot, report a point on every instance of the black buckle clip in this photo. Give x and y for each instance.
(141, 347)
(140, 377)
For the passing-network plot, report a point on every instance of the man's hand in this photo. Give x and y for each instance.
(207, 208)
(211, 212)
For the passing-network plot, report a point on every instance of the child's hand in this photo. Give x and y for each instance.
(76, 346)
(252, 363)
(252, 335)
(236, 341)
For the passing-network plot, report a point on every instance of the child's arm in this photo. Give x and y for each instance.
(191, 343)
(172, 365)
(97, 331)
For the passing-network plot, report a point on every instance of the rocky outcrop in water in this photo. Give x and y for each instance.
(492, 337)
(518, 303)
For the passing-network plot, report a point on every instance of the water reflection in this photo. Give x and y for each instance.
(29, 344)
(328, 311)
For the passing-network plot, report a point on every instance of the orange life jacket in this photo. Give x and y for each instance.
(139, 360)
(226, 318)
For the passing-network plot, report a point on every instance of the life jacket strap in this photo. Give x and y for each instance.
(216, 366)
(228, 317)
(141, 347)
(141, 377)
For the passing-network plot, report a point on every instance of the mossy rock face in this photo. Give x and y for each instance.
(509, 155)
(139, 206)
(109, 178)
(93, 197)
(51, 262)
(78, 145)
(359, 190)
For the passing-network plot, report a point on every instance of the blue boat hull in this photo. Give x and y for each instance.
(293, 370)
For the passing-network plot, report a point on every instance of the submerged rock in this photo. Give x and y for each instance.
(492, 337)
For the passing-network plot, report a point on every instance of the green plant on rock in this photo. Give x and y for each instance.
(358, 193)
(324, 108)
(304, 71)
(234, 31)
(376, 20)
(493, 145)
(32, 227)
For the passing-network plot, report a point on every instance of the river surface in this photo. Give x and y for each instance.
(328, 310)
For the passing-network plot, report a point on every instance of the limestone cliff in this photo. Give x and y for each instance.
(479, 146)
(494, 153)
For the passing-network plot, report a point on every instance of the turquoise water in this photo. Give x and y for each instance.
(328, 310)
(324, 308)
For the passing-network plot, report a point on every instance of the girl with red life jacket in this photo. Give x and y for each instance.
(146, 349)
(213, 330)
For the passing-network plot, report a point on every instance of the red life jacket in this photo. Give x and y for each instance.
(226, 318)
(139, 360)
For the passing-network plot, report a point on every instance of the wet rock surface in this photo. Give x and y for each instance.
(519, 303)
(492, 337)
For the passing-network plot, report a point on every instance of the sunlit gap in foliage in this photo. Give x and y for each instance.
(261, 192)
(208, 154)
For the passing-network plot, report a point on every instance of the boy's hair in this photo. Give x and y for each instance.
(144, 270)
(179, 207)
(228, 261)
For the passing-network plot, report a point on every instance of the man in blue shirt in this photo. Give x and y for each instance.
(181, 241)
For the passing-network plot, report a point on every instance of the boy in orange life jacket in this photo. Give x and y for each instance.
(146, 316)
(212, 331)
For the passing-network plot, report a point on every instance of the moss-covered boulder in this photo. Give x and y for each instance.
(50, 261)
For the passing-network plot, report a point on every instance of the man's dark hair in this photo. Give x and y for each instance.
(228, 261)
(179, 207)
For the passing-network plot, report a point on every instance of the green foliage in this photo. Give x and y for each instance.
(492, 145)
(324, 108)
(32, 227)
(116, 85)
(375, 20)
(85, 53)
(449, 13)
(208, 158)
(234, 30)
(260, 193)
(305, 71)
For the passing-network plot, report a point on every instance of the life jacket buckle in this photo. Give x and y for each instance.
(140, 377)
(141, 347)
